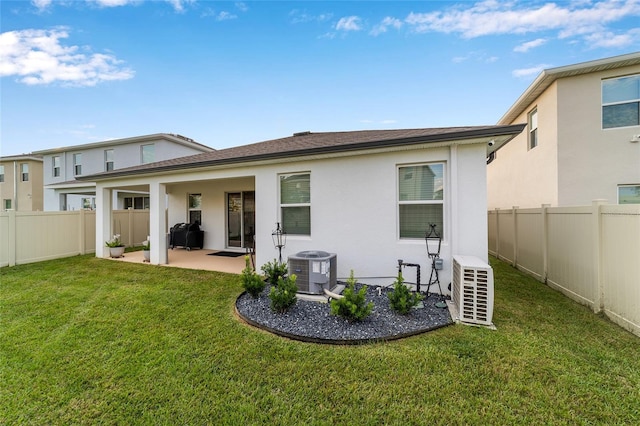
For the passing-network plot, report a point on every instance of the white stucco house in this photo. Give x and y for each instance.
(62, 168)
(582, 141)
(367, 196)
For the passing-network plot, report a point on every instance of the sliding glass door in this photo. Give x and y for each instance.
(241, 218)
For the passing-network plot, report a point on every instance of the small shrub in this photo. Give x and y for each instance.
(401, 298)
(283, 294)
(252, 282)
(274, 270)
(353, 305)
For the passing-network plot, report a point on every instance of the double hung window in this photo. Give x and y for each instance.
(195, 208)
(420, 199)
(56, 166)
(1, 173)
(295, 203)
(24, 172)
(533, 128)
(147, 154)
(77, 164)
(108, 160)
(621, 102)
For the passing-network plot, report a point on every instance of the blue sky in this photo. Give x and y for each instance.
(231, 73)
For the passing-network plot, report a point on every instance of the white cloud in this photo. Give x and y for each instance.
(528, 72)
(386, 23)
(609, 39)
(492, 17)
(37, 57)
(349, 23)
(300, 17)
(525, 47)
(41, 4)
(241, 6)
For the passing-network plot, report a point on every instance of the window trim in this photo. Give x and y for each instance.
(55, 170)
(282, 205)
(24, 175)
(533, 136)
(77, 164)
(194, 209)
(442, 202)
(625, 102)
(108, 162)
(1, 173)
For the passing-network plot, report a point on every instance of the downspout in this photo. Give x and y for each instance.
(15, 185)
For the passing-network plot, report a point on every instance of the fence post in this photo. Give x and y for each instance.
(596, 221)
(497, 233)
(81, 233)
(130, 225)
(545, 242)
(12, 238)
(514, 216)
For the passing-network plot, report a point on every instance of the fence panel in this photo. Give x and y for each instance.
(4, 240)
(506, 236)
(529, 242)
(492, 227)
(571, 267)
(621, 265)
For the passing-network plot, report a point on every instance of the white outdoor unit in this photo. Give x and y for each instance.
(315, 271)
(472, 290)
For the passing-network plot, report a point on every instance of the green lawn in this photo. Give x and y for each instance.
(92, 341)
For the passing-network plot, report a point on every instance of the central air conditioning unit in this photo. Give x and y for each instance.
(472, 290)
(315, 271)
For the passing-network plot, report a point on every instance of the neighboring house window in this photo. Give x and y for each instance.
(420, 199)
(147, 153)
(108, 160)
(89, 203)
(77, 164)
(7, 204)
(195, 208)
(1, 173)
(136, 203)
(533, 128)
(295, 203)
(24, 171)
(56, 166)
(621, 102)
(629, 194)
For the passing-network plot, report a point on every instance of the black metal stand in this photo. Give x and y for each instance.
(434, 237)
(415, 265)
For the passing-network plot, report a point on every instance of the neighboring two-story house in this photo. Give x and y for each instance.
(62, 191)
(21, 183)
(582, 140)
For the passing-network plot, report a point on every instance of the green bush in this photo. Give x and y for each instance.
(274, 270)
(401, 299)
(252, 282)
(353, 305)
(283, 294)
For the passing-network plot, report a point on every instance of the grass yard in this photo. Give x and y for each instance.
(92, 341)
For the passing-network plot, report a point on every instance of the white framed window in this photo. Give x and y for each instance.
(147, 153)
(621, 102)
(420, 199)
(56, 166)
(24, 172)
(295, 203)
(533, 128)
(136, 203)
(89, 203)
(629, 194)
(77, 164)
(195, 208)
(2, 173)
(108, 160)
(7, 204)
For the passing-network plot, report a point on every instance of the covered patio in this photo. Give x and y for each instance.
(192, 259)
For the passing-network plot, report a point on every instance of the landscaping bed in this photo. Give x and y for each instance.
(313, 322)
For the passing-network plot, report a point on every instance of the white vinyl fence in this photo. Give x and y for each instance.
(27, 237)
(591, 254)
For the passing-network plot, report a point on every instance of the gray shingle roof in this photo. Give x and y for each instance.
(310, 143)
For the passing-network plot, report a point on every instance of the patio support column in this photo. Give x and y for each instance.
(103, 220)
(158, 223)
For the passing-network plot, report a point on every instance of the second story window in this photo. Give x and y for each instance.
(56, 166)
(533, 128)
(24, 172)
(1, 173)
(147, 153)
(77, 164)
(108, 160)
(621, 102)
